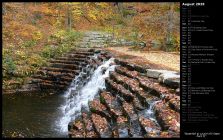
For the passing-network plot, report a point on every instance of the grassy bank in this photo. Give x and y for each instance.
(20, 62)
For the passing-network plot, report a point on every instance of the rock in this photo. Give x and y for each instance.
(111, 103)
(172, 82)
(129, 110)
(70, 126)
(174, 103)
(167, 118)
(153, 73)
(103, 69)
(168, 75)
(137, 104)
(142, 44)
(126, 72)
(89, 128)
(119, 89)
(133, 86)
(101, 125)
(122, 130)
(151, 128)
(76, 129)
(135, 128)
(153, 87)
(98, 108)
(139, 68)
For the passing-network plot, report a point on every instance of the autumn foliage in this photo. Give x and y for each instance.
(36, 31)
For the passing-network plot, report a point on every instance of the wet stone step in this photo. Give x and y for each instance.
(76, 129)
(174, 103)
(47, 86)
(111, 103)
(43, 69)
(133, 86)
(170, 96)
(132, 67)
(126, 72)
(150, 127)
(134, 124)
(137, 104)
(167, 118)
(66, 66)
(30, 88)
(118, 78)
(96, 61)
(173, 83)
(119, 89)
(54, 74)
(135, 129)
(150, 99)
(154, 87)
(64, 83)
(68, 62)
(102, 126)
(129, 110)
(89, 128)
(50, 78)
(122, 128)
(97, 107)
(72, 59)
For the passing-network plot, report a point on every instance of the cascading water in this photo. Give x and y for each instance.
(150, 111)
(78, 95)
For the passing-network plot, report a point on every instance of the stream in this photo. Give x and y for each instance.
(48, 116)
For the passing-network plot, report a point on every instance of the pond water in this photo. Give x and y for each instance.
(31, 116)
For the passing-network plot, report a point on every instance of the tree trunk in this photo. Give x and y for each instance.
(120, 8)
(69, 18)
(3, 8)
(170, 24)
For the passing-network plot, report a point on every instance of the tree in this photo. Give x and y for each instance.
(170, 24)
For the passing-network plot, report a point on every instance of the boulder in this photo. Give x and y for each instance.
(171, 79)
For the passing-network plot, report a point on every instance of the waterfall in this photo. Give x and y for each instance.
(79, 94)
(150, 111)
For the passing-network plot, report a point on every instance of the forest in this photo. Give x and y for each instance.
(30, 30)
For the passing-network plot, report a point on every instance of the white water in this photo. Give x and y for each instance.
(76, 98)
(150, 111)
